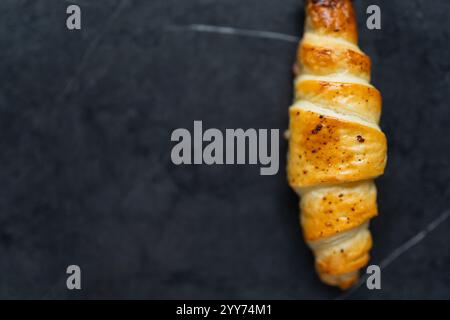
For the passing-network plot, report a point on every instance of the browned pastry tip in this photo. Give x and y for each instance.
(334, 18)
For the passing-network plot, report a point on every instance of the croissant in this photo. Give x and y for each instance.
(336, 147)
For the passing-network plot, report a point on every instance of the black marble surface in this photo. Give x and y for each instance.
(85, 169)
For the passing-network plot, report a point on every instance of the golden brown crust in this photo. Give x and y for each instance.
(345, 284)
(341, 260)
(352, 98)
(335, 145)
(325, 150)
(323, 60)
(342, 282)
(334, 18)
(331, 210)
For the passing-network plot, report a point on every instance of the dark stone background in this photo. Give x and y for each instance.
(85, 167)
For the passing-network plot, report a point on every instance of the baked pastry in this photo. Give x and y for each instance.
(336, 147)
